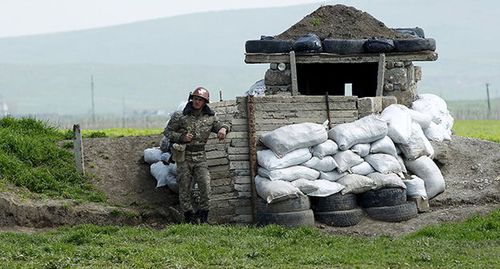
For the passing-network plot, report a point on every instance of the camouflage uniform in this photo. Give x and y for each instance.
(200, 124)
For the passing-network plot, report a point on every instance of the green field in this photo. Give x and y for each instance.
(120, 132)
(471, 244)
(482, 129)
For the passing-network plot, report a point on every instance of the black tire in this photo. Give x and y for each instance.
(383, 197)
(340, 218)
(416, 32)
(334, 202)
(343, 46)
(288, 219)
(413, 45)
(378, 45)
(394, 213)
(268, 46)
(300, 203)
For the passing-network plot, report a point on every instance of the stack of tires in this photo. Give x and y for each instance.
(290, 213)
(337, 210)
(388, 204)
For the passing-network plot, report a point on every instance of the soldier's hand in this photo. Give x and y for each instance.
(221, 134)
(186, 138)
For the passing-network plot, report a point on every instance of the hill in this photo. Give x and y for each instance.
(152, 64)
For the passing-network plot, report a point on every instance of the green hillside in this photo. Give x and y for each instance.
(152, 64)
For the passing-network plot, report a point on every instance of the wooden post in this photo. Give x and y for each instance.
(293, 69)
(220, 96)
(380, 75)
(78, 148)
(252, 146)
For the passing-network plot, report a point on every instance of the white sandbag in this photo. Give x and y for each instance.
(422, 119)
(152, 155)
(390, 180)
(364, 130)
(415, 187)
(363, 169)
(329, 147)
(267, 158)
(346, 159)
(436, 133)
(401, 163)
(305, 186)
(165, 156)
(293, 173)
(399, 123)
(273, 191)
(384, 163)
(165, 175)
(356, 184)
(361, 149)
(332, 176)
(427, 170)
(384, 145)
(435, 107)
(326, 164)
(263, 172)
(325, 188)
(417, 145)
(295, 136)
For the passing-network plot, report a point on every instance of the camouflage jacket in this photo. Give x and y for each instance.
(199, 123)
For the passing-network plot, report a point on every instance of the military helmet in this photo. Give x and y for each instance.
(201, 92)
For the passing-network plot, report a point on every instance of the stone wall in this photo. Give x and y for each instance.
(400, 80)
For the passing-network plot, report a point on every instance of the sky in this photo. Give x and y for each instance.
(29, 17)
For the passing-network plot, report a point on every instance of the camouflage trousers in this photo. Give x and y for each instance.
(193, 170)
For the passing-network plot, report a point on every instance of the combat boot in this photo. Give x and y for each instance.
(203, 216)
(189, 217)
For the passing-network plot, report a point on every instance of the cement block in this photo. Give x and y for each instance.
(388, 100)
(418, 73)
(369, 105)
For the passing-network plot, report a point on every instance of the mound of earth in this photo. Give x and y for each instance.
(342, 22)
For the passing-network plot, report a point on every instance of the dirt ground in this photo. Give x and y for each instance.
(471, 169)
(340, 21)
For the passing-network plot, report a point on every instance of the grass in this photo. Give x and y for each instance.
(482, 129)
(474, 243)
(30, 158)
(120, 132)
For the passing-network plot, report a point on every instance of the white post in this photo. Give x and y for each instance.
(78, 148)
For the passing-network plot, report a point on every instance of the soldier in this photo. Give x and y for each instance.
(188, 135)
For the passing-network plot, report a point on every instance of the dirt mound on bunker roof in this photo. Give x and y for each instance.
(342, 22)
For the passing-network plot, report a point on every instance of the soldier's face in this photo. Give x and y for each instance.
(198, 102)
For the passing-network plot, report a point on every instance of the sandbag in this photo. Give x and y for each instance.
(436, 133)
(326, 164)
(293, 173)
(390, 180)
(332, 176)
(427, 170)
(295, 136)
(329, 147)
(415, 187)
(417, 145)
(401, 163)
(346, 159)
(305, 186)
(399, 123)
(152, 155)
(361, 149)
(363, 169)
(422, 119)
(384, 145)
(165, 175)
(356, 183)
(325, 188)
(435, 107)
(267, 158)
(384, 163)
(364, 130)
(273, 191)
